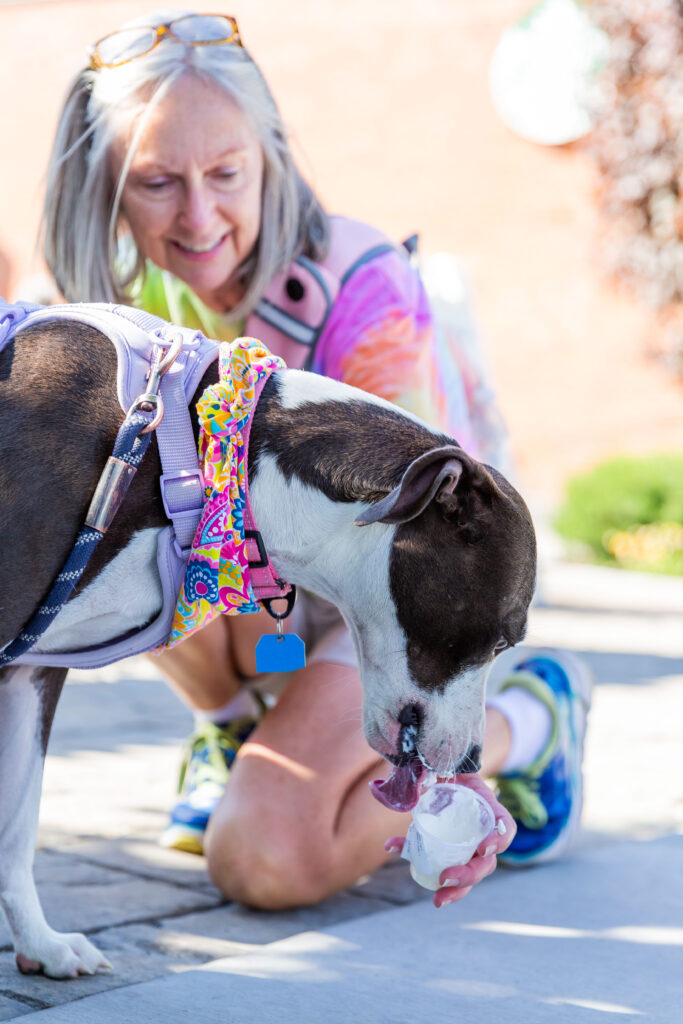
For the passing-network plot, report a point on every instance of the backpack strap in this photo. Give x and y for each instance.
(295, 307)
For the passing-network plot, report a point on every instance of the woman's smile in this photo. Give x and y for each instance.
(200, 252)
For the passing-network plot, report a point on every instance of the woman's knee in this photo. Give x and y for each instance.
(268, 870)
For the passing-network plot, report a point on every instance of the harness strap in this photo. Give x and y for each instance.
(265, 582)
(181, 482)
(182, 488)
(11, 316)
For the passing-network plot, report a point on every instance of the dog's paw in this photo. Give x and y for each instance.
(62, 956)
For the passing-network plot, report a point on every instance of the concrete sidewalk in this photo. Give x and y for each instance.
(599, 935)
(596, 935)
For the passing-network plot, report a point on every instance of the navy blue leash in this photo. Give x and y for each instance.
(129, 448)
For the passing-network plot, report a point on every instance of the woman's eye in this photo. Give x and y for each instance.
(501, 645)
(156, 184)
(226, 173)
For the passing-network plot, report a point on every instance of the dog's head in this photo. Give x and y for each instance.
(462, 565)
(429, 554)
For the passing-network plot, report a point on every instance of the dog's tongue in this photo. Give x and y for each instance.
(400, 790)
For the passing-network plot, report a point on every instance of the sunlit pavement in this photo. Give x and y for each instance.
(595, 937)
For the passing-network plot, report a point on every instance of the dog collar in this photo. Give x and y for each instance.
(228, 570)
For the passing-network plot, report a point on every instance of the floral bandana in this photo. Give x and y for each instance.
(217, 576)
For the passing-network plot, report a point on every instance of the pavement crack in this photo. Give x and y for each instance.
(18, 997)
(155, 920)
(149, 876)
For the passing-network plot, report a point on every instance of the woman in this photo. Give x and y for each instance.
(172, 186)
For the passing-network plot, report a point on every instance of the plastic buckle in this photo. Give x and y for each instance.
(182, 553)
(182, 475)
(263, 555)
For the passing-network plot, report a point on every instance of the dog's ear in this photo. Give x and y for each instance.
(433, 476)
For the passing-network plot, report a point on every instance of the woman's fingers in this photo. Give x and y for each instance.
(504, 829)
(451, 894)
(394, 844)
(467, 875)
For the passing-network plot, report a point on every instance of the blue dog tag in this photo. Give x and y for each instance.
(280, 652)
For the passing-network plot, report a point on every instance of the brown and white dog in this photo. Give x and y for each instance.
(435, 583)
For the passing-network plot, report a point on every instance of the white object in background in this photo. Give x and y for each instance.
(543, 72)
(449, 822)
(472, 414)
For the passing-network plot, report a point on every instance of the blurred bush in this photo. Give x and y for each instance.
(628, 512)
(638, 147)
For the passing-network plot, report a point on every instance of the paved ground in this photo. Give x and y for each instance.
(598, 934)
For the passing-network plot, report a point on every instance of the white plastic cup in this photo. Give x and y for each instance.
(449, 822)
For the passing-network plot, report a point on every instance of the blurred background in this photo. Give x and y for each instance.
(402, 116)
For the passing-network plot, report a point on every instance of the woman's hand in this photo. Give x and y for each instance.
(457, 881)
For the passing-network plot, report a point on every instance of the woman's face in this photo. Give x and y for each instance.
(192, 197)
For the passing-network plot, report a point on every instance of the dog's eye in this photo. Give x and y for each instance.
(501, 645)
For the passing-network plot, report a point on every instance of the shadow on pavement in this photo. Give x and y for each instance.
(631, 669)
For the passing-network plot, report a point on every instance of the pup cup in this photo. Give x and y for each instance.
(449, 822)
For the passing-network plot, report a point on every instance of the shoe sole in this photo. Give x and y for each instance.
(176, 837)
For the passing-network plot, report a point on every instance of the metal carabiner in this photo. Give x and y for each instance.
(162, 361)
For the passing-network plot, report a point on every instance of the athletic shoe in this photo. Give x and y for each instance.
(546, 798)
(207, 759)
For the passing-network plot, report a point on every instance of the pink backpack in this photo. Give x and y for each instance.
(292, 315)
(293, 312)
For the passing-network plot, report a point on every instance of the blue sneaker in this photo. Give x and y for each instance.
(208, 757)
(546, 798)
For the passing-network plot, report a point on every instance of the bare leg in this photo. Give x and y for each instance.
(200, 668)
(209, 668)
(297, 821)
(28, 697)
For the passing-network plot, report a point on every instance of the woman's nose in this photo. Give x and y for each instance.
(198, 207)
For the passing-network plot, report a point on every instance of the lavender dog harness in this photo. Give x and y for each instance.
(134, 335)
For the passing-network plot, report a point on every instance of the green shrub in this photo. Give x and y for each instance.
(628, 512)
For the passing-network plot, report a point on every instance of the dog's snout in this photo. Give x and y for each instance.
(471, 762)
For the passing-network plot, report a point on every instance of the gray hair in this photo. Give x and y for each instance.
(82, 213)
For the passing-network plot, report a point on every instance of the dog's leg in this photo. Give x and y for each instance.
(28, 697)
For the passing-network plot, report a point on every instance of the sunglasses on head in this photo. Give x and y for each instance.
(127, 44)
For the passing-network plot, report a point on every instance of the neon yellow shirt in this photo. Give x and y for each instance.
(164, 295)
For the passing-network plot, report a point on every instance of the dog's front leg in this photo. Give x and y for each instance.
(28, 697)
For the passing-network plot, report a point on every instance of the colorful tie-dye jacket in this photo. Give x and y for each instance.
(382, 336)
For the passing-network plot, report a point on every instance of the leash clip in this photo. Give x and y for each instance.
(290, 598)
(150, 400)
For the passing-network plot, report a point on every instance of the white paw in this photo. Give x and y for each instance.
(61, 956)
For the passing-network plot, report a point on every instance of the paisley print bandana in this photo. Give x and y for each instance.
(217, 576)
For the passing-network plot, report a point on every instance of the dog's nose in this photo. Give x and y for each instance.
(409, 718)
(471, 762)
(411, 714)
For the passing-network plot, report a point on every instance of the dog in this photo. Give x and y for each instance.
(429, 554)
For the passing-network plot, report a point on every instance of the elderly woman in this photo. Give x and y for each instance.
(172, 186)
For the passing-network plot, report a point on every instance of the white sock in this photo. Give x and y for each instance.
(242, 704)
(530, 724)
